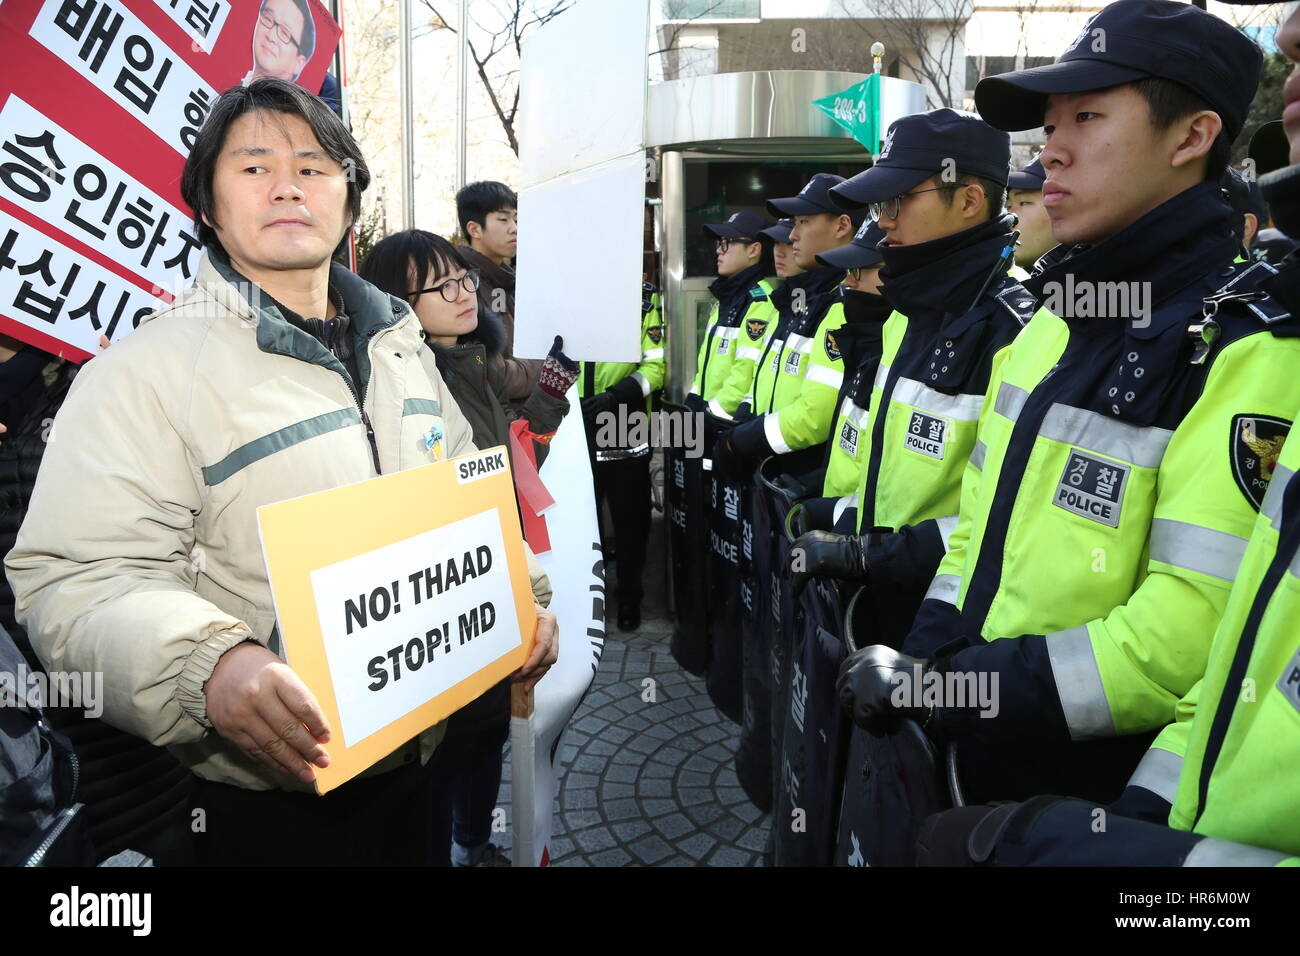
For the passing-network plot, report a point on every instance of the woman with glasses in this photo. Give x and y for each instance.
(465, 342)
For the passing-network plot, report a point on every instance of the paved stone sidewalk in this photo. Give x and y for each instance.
(650, 783)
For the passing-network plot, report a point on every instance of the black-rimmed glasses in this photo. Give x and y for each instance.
(722, 245)
(279, 29)
(892, 207)
(448, 288)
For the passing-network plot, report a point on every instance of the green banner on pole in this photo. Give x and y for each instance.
(857, 109)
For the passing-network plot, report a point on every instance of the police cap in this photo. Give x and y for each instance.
(1128, 40)
(924, 145)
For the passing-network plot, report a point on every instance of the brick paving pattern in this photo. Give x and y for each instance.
(650, 782)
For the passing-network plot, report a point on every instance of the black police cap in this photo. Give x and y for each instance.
(1243, 194)
(1269, 148)
(812, 199)
(860, 253)
(1031, 177)
(739, 225)
(924, 145)
(780, 233)
(1128, 40)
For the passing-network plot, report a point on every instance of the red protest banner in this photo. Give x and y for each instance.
(100, 101)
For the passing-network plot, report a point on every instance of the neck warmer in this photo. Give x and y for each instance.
(943, 276)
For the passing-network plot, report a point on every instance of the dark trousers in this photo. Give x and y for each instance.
(466, 770)
(625, 484)
(373, 821)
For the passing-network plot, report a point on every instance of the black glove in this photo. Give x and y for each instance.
(728, 464)
(868, 688)
(627, 391)
(822, 554)
(969, 836)
(744, 413)
(594, 405)
(694, 403)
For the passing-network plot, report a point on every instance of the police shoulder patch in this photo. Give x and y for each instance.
(656, 333)
(832, 347)
(1019, 301)
(755, 328)
(757, 292)
(1255, 444)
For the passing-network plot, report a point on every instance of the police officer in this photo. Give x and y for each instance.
(1208, 792)
(1120, 462)
(860, 341)
(801, 370)
(1244, 197)
(614, 395)
(1025, 202)
(724, 368)
(1270, 151)
(936, 192)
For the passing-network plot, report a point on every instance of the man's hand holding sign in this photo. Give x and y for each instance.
(389, 627)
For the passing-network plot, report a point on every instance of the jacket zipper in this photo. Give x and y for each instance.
(365, 419)
(66, 815)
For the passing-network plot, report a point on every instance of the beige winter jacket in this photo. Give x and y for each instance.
(140, 556)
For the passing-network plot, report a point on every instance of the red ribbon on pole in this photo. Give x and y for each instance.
(534, 499)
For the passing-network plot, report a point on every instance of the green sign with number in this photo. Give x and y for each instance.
(857, 109)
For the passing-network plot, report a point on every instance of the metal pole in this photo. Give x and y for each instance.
(408, 117)
(462, 91)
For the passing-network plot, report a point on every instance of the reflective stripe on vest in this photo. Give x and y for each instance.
(1213, 852)
(1011, 399)
(962, 408)
(1144, 447)
(1078, 684)
(977, 454)
(1195, 548)
(1271, 507)
(1158, 772)
(944, 587)
(825, 376)
(946, 525)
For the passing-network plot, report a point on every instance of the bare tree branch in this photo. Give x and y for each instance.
(510, 32)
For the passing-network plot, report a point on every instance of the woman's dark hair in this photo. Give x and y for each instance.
(275, 96)
(389, 264)
(477, 201)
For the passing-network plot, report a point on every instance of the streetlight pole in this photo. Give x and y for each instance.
(408, 117)
(462, 91)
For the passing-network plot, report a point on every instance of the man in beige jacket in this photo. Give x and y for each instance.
(140, 556)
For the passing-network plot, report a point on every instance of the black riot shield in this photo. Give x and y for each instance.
(725, 627)
(754, 748)
(688, 542)
(892, 781)
(816, 733)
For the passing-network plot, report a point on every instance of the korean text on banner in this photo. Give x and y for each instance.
(414, 605)
(100, 103)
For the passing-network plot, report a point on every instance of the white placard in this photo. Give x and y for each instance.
(81, 300)
(567, 121)
(388, 652)
(110, 46)
(201, 19)
(594, 304)
(93, 200)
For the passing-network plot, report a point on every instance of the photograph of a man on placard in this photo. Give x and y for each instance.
(284, 38)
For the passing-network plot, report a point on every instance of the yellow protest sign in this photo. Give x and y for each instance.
(400, 599)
